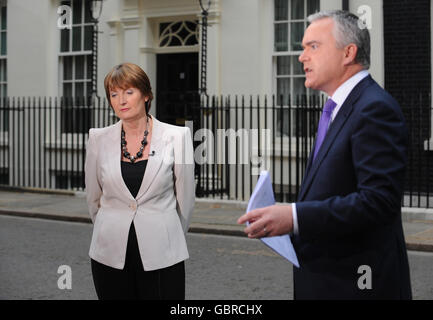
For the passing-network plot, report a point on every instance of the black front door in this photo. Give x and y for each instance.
(177, 88)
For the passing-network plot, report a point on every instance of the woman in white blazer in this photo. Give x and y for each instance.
(140, 187)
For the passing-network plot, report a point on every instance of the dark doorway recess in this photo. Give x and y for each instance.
(177, 88)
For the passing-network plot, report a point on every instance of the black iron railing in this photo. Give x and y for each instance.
(42, 143)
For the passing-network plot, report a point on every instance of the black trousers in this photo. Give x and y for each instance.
(133, 282)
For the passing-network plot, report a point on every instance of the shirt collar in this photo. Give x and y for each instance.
(340, 95)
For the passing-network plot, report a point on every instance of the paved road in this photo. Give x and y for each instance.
(220, 267)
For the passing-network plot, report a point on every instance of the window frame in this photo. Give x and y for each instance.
(83, 24)
(73, 80)
(158, 49)
(86, 80)
(291, 75)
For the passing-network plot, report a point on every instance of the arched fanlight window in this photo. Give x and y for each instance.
(178, 34)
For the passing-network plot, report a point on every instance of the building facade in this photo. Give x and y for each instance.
(252, 49)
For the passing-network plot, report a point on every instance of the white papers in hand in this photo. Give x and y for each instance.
(263, 196)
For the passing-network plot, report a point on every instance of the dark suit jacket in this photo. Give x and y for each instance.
(349, 209)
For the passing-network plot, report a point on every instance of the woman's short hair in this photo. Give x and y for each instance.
(129, 75)
(348, 29)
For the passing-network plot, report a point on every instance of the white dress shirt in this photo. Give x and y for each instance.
(340, 95)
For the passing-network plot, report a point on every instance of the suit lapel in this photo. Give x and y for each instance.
(155, 161)
(331, 135)
(307, 169)
(113, 154)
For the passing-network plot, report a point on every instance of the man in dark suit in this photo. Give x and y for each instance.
(346, 226)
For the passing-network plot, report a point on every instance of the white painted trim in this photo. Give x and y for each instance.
(170, 49)
(131, 23)
(286, 53)
(154, 48)
(75, 53)
(114, 27)
(172, 11)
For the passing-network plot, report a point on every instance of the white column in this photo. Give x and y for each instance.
(214, 50)
(110, 51)
(331, 5)
(266, 47)
(30, 50)
(131, 40)
(131, 23)
(148, 55)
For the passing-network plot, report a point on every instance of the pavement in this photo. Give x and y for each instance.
(210, 216)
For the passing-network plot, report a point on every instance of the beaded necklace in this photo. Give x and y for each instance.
(139, 154)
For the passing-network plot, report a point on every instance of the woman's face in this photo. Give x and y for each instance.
(128, 104)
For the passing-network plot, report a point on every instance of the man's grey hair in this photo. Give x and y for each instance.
(348, 29)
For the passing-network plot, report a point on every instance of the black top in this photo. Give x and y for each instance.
(132, 174)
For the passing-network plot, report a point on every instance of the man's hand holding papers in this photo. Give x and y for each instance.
(270, 221)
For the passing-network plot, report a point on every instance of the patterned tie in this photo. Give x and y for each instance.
(323, 124)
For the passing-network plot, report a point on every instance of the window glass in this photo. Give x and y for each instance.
(87, 12)
(3, 18)
(281, 39)
(313, 6)
(67, 89)
(89, 64)
(76, 11)
(297, 9)
(299, 87)
(283, 65)
(88, 37)
(67, 68)
(64, 40)
(76, 38)
(283, 89)
(3, 43)
(79, 67)
(79, 89)
(296, 35)
(178, 33)
(298, 68)
(281, 10)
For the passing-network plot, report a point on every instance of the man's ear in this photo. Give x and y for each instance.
(350, 52)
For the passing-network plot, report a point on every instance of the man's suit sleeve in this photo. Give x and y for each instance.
(184, 178)
(93, 187)
(378, 146)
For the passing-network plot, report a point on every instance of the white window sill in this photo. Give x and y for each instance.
(428, 145)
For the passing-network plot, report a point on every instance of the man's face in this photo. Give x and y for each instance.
(323, 62)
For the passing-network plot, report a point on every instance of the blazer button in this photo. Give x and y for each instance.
(133, 206)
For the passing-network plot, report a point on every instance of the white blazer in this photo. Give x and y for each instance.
(163, 205)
